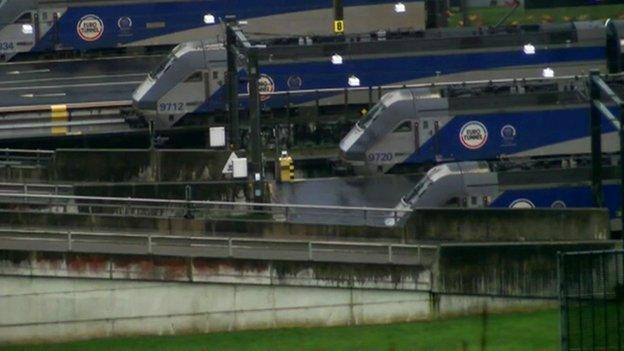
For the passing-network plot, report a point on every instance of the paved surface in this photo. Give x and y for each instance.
(33, 240)
(383, 191)
(73, 81)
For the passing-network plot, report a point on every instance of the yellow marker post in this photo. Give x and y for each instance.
(287, 168)
(339, 27)
(59, 114)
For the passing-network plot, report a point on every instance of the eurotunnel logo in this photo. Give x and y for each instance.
(508, 132)
(265, 85)
(124, 23)
(294, 82)
(522, 204)
(90, 28)
(558, 204)
(473, 135)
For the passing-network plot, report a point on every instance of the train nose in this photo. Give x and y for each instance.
(140, 97)
(349, 146)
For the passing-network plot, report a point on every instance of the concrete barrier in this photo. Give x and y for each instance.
(487, 225)
(138, 165)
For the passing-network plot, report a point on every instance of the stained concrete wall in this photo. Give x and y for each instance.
(138, 165)
(489, 225)
(110, 165)
(510, 269)
(58, 309)
(438, 225)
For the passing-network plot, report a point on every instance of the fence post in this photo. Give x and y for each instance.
(563, 324)
(69, 241)
(596, 141)
(230, 248)
(149, 244)
(309, 251)
(390, 253)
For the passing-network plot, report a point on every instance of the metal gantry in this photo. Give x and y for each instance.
(598, 89)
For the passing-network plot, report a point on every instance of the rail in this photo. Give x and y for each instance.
(217, 247)
(166, 208)
(74, 106)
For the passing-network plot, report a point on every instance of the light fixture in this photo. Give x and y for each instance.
(548, 72)
(399, 7)
(336, 59)
(354, 81)
(607, 21)
(529, 49)
(209, 18)
(27, 28)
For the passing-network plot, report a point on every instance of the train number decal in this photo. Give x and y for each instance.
(5, 46)
(473, 135)
(90, 28)
(380, 157)
(171, 107)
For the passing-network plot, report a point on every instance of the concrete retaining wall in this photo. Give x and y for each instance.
(110, 165)
(138, 165)
(511, 269)
(439, 225)
(489, 225)
(58, 309)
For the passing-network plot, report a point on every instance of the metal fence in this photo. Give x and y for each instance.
(216, 247)
(592, 300)
(206, 210)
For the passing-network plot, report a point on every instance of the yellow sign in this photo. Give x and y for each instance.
(339, 26)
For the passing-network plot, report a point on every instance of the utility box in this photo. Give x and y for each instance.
(217, 137)
(239, 169)
(287, 168)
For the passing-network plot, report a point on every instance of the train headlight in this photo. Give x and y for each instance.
(529, 49)
(336, 59)
(27, 29)
(354, 81)
(548, 73)
(399, 7)
(209, 18)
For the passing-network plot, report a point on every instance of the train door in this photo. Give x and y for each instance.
(428, 132)
(404, 139)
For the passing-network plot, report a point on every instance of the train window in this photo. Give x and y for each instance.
(164, 65)
(195, 77)
(215, 75)
(25, 18)
(375, 112)
(425, 124)
(403, 127)
(473, 201)
(44, 16)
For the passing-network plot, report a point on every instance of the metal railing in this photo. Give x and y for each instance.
(25, 157)
(74, 106)
(217, 247)
(150, 207)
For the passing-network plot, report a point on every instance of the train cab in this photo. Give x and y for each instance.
(201, 70)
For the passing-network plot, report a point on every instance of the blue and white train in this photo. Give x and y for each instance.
(28, 26)
(191, 81)
(523, 120)
(480, 185)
